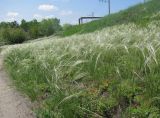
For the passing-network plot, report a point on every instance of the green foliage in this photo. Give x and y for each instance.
(12, 35)
(66, 26)
(142, 112)
(37, 29)
(109, 73)
(50, 26)
(12, 32)
(1, 39)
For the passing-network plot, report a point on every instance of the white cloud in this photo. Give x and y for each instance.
(12, 14)
(66, 13)
(47, 7)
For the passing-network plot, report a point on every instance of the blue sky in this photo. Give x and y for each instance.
(67, 10)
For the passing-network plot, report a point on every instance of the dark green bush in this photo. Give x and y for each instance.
(13, 36)
(49, 26)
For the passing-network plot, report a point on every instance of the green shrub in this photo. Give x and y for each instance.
(13, 36)
(1, 39)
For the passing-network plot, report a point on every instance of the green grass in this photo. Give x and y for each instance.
(102, 74)
(139, 14)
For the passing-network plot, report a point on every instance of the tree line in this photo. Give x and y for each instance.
(14, 32)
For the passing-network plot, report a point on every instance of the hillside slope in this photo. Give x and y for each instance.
(139, 14)
(109, 73)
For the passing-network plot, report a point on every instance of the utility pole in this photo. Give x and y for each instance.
(109, 5)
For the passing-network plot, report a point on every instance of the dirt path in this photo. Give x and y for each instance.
(12, 104)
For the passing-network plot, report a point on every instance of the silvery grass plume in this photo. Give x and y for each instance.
(67, 71)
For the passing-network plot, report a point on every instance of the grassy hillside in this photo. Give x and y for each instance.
(109, 73)
(139, 14)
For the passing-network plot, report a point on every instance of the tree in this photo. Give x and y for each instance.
(14, 24)
(34, 29)
(12, 32)
(24, 25)
(4, 25)
(14, 35)
(50, 26)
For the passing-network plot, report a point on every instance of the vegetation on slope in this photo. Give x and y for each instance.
(109, 73)
(139, 14)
